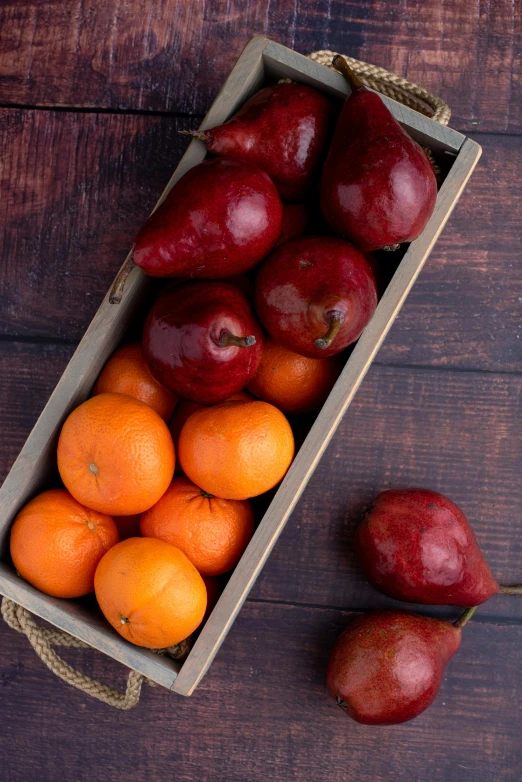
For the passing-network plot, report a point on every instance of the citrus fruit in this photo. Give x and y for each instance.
(128, 526)
(185, 409)
(293, 383)
(150, 592)
(236, 450)
(115, 454)
(126, 372)
(56, 543)
(214, 587)
(212, 532)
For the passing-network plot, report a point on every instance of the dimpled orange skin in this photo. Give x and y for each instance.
(212, 532)
(116, 455)
(150, 592)
(126, 372)
(236, 450)
(293, 383)
(56, 543)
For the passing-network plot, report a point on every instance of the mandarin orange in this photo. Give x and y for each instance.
(116, 455)
(236, 450)
(212, 532)
(127, 372)
(56, 543)
(150, 592)
(293, 383)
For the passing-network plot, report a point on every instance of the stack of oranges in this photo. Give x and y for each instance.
(149, 544)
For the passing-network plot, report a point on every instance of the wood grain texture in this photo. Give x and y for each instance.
(263, 713)
(174, 56)
(77, 186)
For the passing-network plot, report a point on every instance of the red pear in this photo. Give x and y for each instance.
(417, 545)
(315, 295)
(283, 129)
(378, 187)
(220, 219)
(387, 666)
(202, 339)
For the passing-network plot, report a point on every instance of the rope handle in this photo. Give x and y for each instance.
(392, 85)
(42, 639)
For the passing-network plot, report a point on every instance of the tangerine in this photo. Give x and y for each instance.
(150, 592)
(127, 372)
(236, 450)
(293, 383)
(56, 543)
(212, 532)
(115, 454)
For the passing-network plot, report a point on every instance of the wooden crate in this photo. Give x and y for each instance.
(261, 61)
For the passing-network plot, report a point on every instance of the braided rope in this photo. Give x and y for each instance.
(43, 638)
(392, 85)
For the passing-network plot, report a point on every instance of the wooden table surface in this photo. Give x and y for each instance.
(92, 97)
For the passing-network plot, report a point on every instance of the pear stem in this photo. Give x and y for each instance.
(511, 589)
(340, 64)
(335, 324)
(228, 340)
(466, 616)
(116, 293)
(199, 134)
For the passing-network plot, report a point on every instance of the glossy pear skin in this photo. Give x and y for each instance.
(417, 545)
(377, 187)
(284, 130)
(181, 341)
(304, 282)
(387, 666)
(220, 219)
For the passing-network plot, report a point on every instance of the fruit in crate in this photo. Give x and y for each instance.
(150, 592)
(291, 382)
(315, 295)
(377, 187)
(417, 545)
(212, 532)
(219, 220)
(201, 341)
(57, 543)
(115, 454)
(283, 129)
(126, 372)
(236, 450)
(387, 666)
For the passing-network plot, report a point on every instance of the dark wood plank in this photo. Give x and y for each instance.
(76, 187)
(452, 432)
(28, 375)
(262, 712)
(175, 56)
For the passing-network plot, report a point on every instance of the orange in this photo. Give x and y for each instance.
(236, 450)
(150, 592)
(115, 454)
(185, 409)
(128, 526)
(56, 543)
(212, 532)
(127, 372)
(293, 383)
